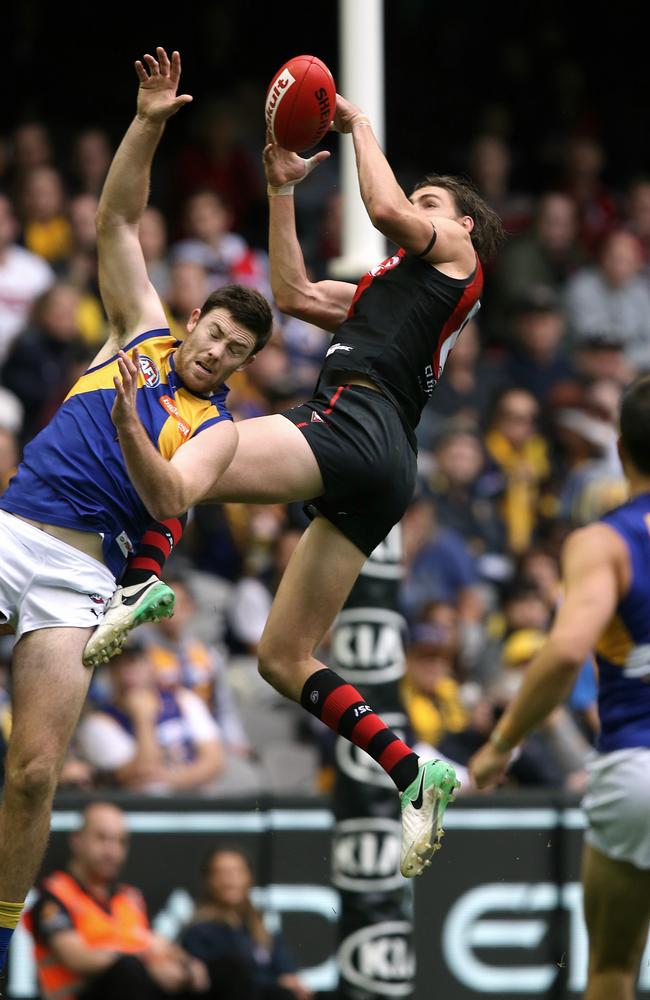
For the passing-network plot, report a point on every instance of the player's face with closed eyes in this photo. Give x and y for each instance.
(215, 346)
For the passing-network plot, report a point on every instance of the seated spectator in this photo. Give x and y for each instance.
(182, 661)
(92, 153)
(24, 276)
(149, 740)
(558, 750)
(520, 454)
(429, 690)
(253, 593)
(612, 299)
(81, 268)
(584, 163)
(92, 934)
(438, 567)
(523, 606)
(490, 167)
(153, 240)
(465, 494)
(229, 936)
(637, 215)
(538, 360)
(210, 242)
(39, 364)
(221, 162)
(46, 230)
(186, 286)
(602, 356)
(547, 254)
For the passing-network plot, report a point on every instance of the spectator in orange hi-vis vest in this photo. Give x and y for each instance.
(92, 934)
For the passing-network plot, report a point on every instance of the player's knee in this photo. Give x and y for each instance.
(273, 664)
(33, 777)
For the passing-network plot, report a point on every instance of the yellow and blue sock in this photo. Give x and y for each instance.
(9, 917)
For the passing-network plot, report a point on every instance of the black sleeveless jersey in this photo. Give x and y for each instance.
(404, 319)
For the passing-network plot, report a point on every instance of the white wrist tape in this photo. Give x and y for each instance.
(287, 189)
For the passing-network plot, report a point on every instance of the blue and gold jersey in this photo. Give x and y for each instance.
(73, 473)
(623, 652)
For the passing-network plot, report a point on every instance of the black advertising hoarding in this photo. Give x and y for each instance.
(376, 957)
(497, 915)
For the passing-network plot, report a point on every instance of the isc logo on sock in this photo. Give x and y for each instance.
(361, 710)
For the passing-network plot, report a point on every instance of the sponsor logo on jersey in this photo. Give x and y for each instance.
(386, 265)
(150, 372)
(169, 405)
(316, 418)
(338, 347)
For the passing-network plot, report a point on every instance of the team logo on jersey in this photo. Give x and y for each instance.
(386, 265)
(169, 405)
(150, 372)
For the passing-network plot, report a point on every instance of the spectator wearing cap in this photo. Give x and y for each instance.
(430, 691)
(538, 360)
(558, 738)
(146, 739)
(612, 299)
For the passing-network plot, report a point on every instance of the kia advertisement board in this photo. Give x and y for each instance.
(497, 915)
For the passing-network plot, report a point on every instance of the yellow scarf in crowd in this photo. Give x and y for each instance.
(524, 469)
(432, 719)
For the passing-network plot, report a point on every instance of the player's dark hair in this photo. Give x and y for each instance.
(634, 423)
(488, 231)
(247, 307)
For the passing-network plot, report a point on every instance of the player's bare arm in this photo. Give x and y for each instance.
(323, 303)
(167, 488)
(131, 302)
(596, 573)
(392, 213)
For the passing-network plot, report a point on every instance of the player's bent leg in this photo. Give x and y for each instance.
(317, 581)
(617, 911)
(49, 685)
(273, 464)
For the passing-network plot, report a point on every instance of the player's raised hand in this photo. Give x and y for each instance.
(347, 115)
(159, 79)
(124, 412)
(283, 167)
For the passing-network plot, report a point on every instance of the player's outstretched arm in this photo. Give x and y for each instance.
(323, 303)
(130, 300)
(595, 574)
(389, 209)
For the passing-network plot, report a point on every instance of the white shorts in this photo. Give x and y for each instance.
(617, 804)
(45, 583)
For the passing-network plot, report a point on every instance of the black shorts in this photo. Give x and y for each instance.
(365, 458)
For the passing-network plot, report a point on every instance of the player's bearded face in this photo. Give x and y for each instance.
(214, 348)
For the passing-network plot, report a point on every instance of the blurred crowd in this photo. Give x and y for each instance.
(517, 447)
